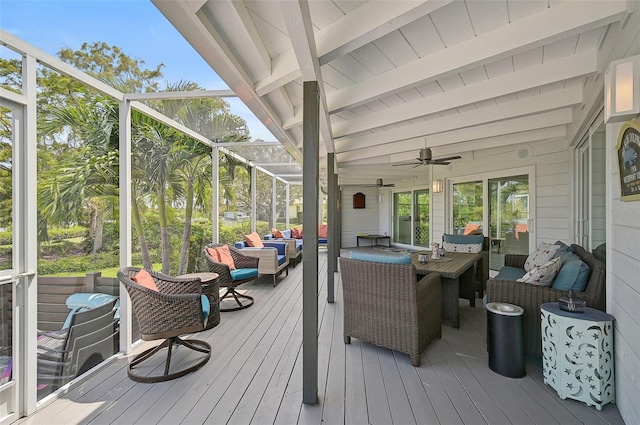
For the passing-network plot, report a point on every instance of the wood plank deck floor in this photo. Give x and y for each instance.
(255, 377)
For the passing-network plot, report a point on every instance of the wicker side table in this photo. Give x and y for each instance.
(211, 289)
(577, 354)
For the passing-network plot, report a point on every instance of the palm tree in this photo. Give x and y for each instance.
(85, 179)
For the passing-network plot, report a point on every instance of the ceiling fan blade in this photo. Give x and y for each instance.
(389, 185)
(448, 158)
(439, 162)
(403, 163)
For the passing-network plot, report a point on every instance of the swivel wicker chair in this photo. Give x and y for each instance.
(177, 307)
(246, 271)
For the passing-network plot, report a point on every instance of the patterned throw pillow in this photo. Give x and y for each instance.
(542, 255)
(542, 275)
(472, 248)
(277, 234)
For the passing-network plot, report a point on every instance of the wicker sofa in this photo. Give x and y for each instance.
(531, 297)
(386, 305)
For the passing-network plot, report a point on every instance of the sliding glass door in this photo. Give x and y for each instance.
(421, 214)
(499, 205)
(411, 215)
(402, 217)
(508, 217)
(11, 115)
(467, 207)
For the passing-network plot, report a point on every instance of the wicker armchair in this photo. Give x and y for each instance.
(274, 257)
(531, 297)
(231, 281)
(176, 308)
(386, 305)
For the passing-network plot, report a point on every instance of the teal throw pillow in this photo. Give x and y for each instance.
(573, 273)
(463, 239)
(391, 259)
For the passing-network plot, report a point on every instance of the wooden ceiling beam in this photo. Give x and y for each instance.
(349, 33)
(568, 67)
(554, 23)
(297, 18)
(516, 125)
(529, 105)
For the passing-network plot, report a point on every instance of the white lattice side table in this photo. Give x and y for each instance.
(577, 354)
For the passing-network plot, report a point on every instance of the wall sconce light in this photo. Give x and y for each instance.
(437, 186)
(622, 90)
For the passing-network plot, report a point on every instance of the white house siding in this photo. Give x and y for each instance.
(356, 221)
(623, 285)
(598, 191)
(550, 187)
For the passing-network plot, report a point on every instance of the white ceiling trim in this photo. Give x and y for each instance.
(560, 21)
(529, 105)
(547, 119)
(573, 66)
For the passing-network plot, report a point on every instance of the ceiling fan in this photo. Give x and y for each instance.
(379, 183)
(426, 158)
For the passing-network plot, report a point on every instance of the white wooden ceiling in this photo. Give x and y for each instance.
(396, 76)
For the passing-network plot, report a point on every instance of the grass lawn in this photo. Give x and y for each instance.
(110, 272)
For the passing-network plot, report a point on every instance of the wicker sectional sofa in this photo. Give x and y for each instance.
(531, 297)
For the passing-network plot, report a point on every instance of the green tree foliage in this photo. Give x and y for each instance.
(110, 63)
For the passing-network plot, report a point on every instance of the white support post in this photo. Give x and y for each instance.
(287, 205)
(274, 201)
(254, 183)
(26, 297)
(126, 318)
(215, 193)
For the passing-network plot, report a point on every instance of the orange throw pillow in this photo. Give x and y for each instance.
(224, 256)
(295, 233)
(471, 228)
(143, 278)
(254, 240)
(323, 231)
(213, 252)
(277, 234)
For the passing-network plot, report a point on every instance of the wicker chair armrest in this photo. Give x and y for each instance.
(515, 260)
(220, 268)
(291, 246)
(523, 294)
(268, 263)
(429, 295)
(243, 261)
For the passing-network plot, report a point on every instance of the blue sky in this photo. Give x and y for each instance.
(136, 26)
